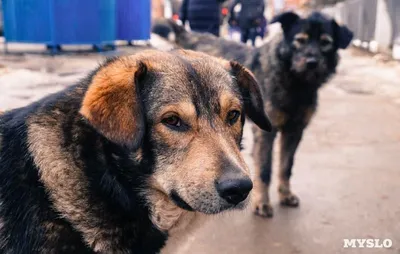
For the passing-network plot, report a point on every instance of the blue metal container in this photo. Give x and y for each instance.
(27, 21)
(133, 19)
(55, 22)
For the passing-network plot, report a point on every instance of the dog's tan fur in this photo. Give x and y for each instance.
(101, 104)
(61, 178)
(278, 118)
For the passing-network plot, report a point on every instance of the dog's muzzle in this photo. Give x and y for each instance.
(311, 63)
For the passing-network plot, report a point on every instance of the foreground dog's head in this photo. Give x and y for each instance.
(310, 44)
(184, 112)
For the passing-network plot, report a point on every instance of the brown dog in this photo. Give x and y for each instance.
(132, 154)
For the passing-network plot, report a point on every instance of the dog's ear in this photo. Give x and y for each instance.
(287, 19)
(112, 102)
(343, 35)
(252, 96)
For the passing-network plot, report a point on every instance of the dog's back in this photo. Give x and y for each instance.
(204, 42)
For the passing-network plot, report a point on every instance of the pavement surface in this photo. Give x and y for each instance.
(346, 173)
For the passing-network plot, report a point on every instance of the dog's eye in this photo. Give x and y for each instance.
(233, 116)
(172, 121)
(301, 40)
(325, 42)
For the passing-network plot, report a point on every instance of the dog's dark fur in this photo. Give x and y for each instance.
(97, 168)
(290, 68)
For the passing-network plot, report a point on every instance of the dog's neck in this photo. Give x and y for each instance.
(71, 186)
(170, 218)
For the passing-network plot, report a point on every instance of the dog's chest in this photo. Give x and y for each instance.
(183, 230)
(288, 113)
(289, 106)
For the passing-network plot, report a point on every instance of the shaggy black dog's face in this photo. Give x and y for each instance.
(310, 45)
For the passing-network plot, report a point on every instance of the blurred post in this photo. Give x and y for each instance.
(271, 9)
(157, 9)
(295, 4)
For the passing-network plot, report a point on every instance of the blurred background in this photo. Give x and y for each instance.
(347, 170)
(102, 22)
(376, 23)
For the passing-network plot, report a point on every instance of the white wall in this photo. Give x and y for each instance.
(383, 30)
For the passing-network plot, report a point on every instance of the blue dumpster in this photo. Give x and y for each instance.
(133, 19)
(56, 22)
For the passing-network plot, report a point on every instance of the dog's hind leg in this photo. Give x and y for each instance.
(262, 154)
(288, 146)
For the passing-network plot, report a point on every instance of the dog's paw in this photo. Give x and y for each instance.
(263, 210)
(289, 200)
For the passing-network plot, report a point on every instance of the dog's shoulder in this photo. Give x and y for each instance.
(26, 212)
(52, 164)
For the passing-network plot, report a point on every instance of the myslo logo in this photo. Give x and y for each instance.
(367, 243)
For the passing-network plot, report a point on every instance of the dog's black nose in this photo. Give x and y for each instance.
(312, 63)
(234, 190)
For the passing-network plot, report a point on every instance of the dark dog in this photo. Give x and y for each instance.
(162, 28)
(291, 68)
(134, 153)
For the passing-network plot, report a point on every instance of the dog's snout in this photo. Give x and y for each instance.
(234, 190)
(312, 63)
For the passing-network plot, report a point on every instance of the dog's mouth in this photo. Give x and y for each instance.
(310, 75)
(179, 201)
(203, 208)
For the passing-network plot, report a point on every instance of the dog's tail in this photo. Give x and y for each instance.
(168, 29)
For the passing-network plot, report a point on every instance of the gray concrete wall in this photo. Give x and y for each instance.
(375, 23)
(384, 26)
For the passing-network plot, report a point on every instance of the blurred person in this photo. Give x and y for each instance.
(233, 29)
(258, 31)
(249, 18)
(203, 15)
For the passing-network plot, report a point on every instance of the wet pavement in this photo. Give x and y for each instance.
(346, 173)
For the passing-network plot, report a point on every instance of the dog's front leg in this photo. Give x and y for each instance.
(288, 146)
(262, 154)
